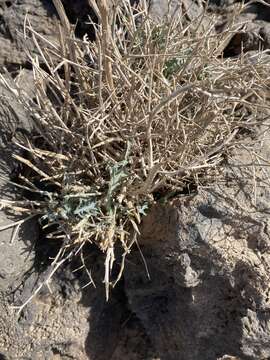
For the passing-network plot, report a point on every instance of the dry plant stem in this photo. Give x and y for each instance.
(62, 14)
(46, 282)
(94, 6)
(30, 165)
(154, 112)
(91, 281)
(68, 37)
(16, 224)
(106, 42)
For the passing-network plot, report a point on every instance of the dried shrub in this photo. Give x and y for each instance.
(147, 106)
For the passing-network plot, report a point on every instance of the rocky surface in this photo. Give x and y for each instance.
(207, 296)
(14, 15)
(16, 242)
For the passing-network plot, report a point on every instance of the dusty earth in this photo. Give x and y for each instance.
(207, 251)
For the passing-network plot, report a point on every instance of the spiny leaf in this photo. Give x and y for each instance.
(86, 207)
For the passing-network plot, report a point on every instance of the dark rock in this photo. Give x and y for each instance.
(26, 82)
(184, 275)
(204, 321)
(16, 251)
(208, 257)
(258, 11)
(253, 30)
(190, 9)
(161, 8)
(253, 57)
(40, 14)
(50, 326)
(253, 36)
